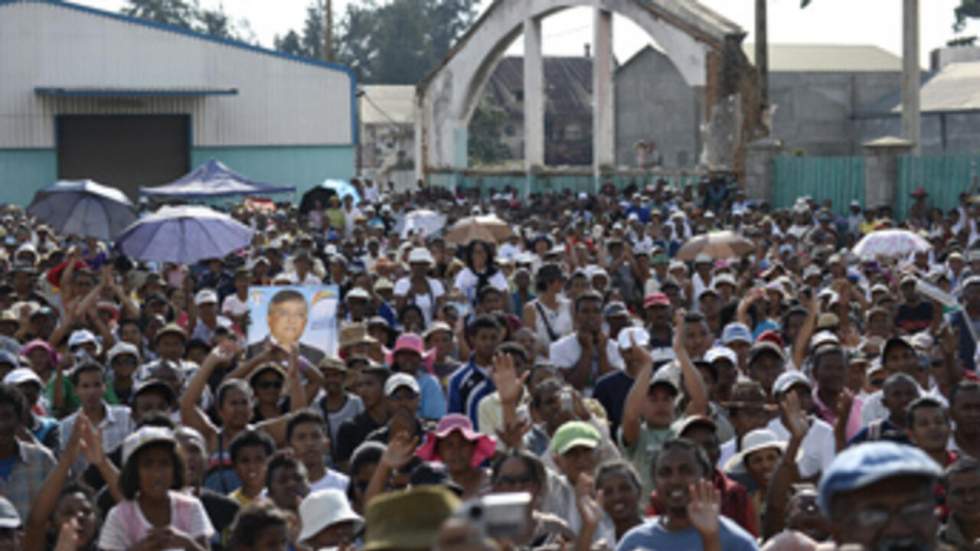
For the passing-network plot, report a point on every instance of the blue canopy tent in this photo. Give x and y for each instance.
(212, 180)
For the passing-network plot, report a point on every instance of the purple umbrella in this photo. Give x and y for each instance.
(184, 235)
(83, 207)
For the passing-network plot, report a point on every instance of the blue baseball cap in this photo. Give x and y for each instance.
(865, 464)
(735, 332)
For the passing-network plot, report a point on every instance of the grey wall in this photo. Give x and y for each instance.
(815, 112)
(946, 134)
(655, 104)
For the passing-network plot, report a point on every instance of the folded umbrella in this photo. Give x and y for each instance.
(183, 235)
(83, 207)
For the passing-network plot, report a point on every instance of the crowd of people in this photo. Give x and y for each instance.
(571, 385)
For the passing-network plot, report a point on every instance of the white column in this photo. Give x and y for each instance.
(604, 98)
(911, 119)
(534, 99)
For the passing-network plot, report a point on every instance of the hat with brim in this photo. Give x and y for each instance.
(170, 329)
(22, 375)
(323, 509)
(483, 449)
(143, 437)
(264, 368)
(754, 441)
(574, 434)
(408, 520)
(695, 421)
(353, 334)
(861, 466)
(155, 385)
(410, 342)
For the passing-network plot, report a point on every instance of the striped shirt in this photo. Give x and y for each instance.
(467, 386)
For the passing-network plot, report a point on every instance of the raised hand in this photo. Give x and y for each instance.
(796, 420)
(400, 450)
(704, 508)
(90, 440)
(505, 378)
(513, 435)
(680, 338)
(68, 536)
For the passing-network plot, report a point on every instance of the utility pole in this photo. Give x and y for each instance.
(328, 30)
(911, 78)
(762, 49)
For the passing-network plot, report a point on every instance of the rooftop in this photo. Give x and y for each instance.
(828, 58)
(955, 88)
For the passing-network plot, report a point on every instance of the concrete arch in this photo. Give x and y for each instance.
(687, 31)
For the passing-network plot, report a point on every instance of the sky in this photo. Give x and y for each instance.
(876, 22)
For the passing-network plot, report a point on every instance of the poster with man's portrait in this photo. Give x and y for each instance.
(287, 315)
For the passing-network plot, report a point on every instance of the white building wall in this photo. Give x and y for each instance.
(279, 101)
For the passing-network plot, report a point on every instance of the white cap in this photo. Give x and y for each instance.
(22, 375)
(323, 509)
(143, 437)
(358, 292)
(399, 380)
(721, 353)
(788, 380)
(420, 255)
(81, 336)
(122, 348)
(205, 296)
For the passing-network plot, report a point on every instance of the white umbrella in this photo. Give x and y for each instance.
(892, 243)
(424, 222)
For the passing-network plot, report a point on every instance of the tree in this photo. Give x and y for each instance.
(968, 9)
(290, 44)
(486, 145)
(392, 42)
(179, 13)
(188, 14)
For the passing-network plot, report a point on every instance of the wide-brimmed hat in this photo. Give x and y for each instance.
(410, 342)
(485, 446)
(352, 334)
(323, 509)
(408, 520)
(757, 440)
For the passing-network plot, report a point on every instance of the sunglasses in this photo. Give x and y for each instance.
(514, 480)
(267, 385)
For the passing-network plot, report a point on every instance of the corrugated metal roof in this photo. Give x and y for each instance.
(828, 58)
(103, 92)
(388, 104)
(568, 82)
(955, 88)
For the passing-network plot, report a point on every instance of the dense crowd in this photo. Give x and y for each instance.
(573, 384)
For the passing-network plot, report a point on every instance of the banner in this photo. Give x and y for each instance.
(298, 313)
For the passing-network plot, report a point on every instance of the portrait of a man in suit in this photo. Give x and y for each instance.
(286, 317)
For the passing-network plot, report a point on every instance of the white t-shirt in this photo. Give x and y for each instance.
(466, 282)
(427, 302)
(125, 526)
(817, 449)
(234, 306)
(565, 352)
(331, 480)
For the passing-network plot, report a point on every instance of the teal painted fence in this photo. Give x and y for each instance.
(303, 167)
(551, 181)
(943, 177)
(24, 171)
(839, 179)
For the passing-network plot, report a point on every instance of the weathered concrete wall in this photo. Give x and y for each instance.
(942, 134)
(815, 112)
(655, 104)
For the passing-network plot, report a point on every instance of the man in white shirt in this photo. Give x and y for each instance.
(588, 353)
(307, 435)
(818, 446)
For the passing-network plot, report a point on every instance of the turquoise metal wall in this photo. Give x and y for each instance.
(840, 179)
(943, 177)
(24, 171)
(303, 167)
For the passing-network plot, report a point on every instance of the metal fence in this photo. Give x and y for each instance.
(839, 179)
(943, 177)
